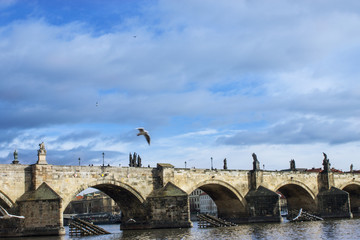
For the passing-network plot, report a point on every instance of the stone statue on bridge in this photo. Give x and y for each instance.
(42, 149)
(326, 163)
(139, 161)
(225, 164)
(134, 160)
(256, 163)
(42, 154)
(15, 161)
(292, 165)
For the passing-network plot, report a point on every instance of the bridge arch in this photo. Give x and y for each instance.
(229, 202)
(130, 201)
(298, 195)
(102, 183)
(353, 188)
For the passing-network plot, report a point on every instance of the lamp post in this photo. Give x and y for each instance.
(103, 158)
(212, 164)
(79, 161)
(185, 164)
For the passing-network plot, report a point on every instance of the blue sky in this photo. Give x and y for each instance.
(219, 79)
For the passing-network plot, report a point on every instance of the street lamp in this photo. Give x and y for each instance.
(103, 158)
(185, 164)
(79, 161)
(212, 164)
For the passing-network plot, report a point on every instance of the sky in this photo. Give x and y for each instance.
(207, 79)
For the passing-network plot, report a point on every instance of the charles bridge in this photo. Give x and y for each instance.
(159, 197)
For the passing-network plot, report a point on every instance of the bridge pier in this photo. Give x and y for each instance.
(167, 207)
(42, 210)
(263, 205)
(332, 202)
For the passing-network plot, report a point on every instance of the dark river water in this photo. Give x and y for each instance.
(329, 229)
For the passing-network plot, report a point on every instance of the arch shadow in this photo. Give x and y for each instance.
(229, 202)
(353, 188)
(130, 201)
(298, 195)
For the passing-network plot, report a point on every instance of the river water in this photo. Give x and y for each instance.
(329, 229)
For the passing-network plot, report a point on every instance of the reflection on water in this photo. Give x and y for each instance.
(330, 229)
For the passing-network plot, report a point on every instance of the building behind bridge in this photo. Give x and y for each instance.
(201, 202)
(95, 202)
(95, 207)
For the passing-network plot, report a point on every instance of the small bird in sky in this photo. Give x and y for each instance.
(142, 131)
(97, 103)
(7, 215)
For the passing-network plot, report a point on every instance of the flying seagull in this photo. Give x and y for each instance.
(142, 131)
(7, 215)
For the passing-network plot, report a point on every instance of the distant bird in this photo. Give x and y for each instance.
(7, 215)
(142, 131)
(97, 104)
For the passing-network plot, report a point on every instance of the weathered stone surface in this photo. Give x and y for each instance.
(170, 190)
(169, 207)
(12, 227)
(334, 203)
(41, 211)
(263, 205)
(44, 192)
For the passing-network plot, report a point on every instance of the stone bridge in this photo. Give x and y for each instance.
(159, 197)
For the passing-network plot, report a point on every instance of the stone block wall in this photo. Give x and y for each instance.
(11, 227)
(43, 215)
(334, 203)
(264, 205)
(169, 212)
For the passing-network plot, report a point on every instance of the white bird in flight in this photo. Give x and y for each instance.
(142, 131)
(7, 215)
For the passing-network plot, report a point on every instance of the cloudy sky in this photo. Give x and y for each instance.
(220, 79)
